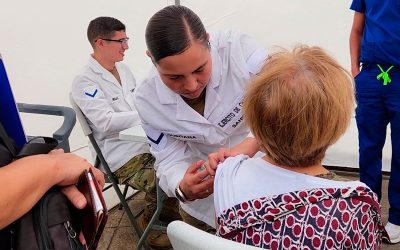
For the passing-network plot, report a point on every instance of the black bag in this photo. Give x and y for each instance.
(49, 224)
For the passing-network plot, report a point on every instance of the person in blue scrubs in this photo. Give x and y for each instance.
(375, 66)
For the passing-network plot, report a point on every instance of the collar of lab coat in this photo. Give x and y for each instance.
(105, 74)
(183, 110)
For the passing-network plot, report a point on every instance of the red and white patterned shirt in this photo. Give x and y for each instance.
(319, 218)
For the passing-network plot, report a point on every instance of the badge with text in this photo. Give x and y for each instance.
(187, 137)
(233, 118)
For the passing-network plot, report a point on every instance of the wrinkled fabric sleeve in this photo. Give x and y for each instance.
(173, 158)
(99, 111)
(358, 5)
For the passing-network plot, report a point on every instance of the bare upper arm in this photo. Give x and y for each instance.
(358, 23)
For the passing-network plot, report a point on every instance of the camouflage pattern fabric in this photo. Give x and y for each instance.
(332, 176)
(195, 222)
(170, 211)
(138, 173)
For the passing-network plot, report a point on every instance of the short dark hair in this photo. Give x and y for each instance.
(103, 27)
(171, 30)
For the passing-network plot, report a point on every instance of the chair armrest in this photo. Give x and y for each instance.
(61, 134)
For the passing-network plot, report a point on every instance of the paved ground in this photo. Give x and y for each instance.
(119, 235)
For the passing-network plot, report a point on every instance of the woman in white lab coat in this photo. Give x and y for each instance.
(191, 102)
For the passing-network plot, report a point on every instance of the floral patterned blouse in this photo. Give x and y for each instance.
(319, 218)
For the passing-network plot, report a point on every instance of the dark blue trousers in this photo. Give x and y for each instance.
(378, 106)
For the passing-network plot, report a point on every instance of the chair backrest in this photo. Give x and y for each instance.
(81, 117)
(186, 237)
(62, 133)
(87, 131)
(100, 159)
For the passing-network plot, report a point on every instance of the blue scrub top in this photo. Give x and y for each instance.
(381, 37)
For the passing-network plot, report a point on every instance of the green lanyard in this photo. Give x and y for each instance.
(384, 75)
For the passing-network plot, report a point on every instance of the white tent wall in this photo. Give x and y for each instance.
(44, 45)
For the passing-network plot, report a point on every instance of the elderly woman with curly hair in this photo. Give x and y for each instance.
(300, 104)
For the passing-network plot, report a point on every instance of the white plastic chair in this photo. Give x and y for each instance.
(186, 237)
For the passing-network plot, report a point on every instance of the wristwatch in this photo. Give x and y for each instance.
(180, 195)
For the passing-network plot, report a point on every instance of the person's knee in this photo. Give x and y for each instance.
(195, 222)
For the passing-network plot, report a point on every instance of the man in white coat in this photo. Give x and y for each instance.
(104, 92)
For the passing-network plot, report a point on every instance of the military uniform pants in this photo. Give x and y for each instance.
(139, 173)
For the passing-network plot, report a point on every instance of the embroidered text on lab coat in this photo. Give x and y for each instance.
(234, 117)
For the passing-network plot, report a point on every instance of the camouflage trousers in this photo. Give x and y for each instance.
(139, 173)
(195, 222)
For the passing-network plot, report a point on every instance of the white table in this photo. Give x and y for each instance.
(135, 133)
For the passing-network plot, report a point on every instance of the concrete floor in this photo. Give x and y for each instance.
(119, 235)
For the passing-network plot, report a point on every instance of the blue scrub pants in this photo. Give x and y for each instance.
(377, 106)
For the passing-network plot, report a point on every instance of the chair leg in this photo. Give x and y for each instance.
(126, 208)
(100, 159)
(161, 196)
(124, 194)
(97, 162)
(128, 211)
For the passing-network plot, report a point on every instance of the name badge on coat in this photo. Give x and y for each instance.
(233, 118)
(187, 137)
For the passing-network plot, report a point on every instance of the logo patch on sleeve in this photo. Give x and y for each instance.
(157, 139)
(91, 91)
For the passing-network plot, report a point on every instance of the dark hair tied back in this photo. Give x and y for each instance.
(171, 30)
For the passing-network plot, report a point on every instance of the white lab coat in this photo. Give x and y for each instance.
(180, 135)
(109, 108)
